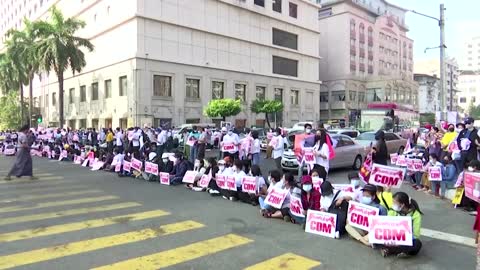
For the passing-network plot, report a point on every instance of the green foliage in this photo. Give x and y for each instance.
(10, 115)
(222, 108)
(266, 106)
(427, 117)
(474, 111)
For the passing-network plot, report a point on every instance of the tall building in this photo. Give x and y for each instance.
(471, 54)
(160, 62)
(428, 93)
(432, 67)
(366, 57)
(469, 86)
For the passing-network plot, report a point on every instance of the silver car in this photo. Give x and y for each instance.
(348, 153)
(395, 143)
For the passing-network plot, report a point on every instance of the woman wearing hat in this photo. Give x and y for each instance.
(310, 199)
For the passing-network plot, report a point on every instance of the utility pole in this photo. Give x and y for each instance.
(451, 91)
(443, 81)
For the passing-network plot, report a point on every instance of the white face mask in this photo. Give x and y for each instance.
(355, 182)
(165, 160)
(396, 207)
(366, 200)
(275, 134)
(308, 130)
(307, 188)
(470, 169)
(221, 167)
(230, 133)
(197, 164)
(234, 168)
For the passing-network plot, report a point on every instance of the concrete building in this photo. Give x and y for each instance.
(469, 86)
(159, 62)
(432, 67)
(428, 93)
(471, 54)
(366, 57)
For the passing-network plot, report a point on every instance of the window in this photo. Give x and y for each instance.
(94, 91)
(278, 94)
(54, 99)
(277, 6)
(71, 95)
(292, 8)
(284, 39)
(352, 25)
(83, 93)
(352, 95)
(108, 88)
(375, 94)
(260, 3)
(162, 86)
(122, 86)
(217, 89)
(47, 101)
(338, 95)
(474, 100)
(361, 97)
(260, 92)
(192, 88)
(285, 66)
(323, 97)
(240, 92)
(294, 97)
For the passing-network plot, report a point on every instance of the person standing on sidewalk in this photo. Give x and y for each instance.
(23, 164)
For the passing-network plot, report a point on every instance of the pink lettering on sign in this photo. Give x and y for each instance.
(204, 181)
(321, 227)
(435, 174)
(164, 178)
(221, 181)
(321, 223)
(229, 147)
(231, 183)
(387, 176)
(390, 234)
(118, 167)
(417, 165)
(308, 155)
(358, 215)
(189, 177)
(126, 166)
(296, 207)
(249, 184)
(472, 185)
(394, 230)
(136, 164)
(275, 197)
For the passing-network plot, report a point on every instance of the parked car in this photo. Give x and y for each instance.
(395, 143)
(348, 153)
(349, 132)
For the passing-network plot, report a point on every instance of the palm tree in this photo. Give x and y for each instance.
(24, 54)
(12, 76)
(59, 49)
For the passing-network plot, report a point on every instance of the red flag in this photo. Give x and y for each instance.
(331, 150)
(366, 168)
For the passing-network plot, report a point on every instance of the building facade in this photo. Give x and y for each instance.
(432, 67)
(471, 54)
(469, 86)
(159, 62)
(366, 58)
(428, 93)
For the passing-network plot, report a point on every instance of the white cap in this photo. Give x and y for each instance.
(224, 129)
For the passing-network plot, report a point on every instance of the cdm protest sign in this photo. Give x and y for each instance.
(390, 230)
(387, 176)
(321, 223)
(471, 182)
(189, 177)
(276, 196)
(359, 214)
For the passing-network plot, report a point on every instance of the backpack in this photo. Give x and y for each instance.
(341, 212)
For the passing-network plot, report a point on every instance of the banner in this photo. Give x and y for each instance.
(393, 158)
(410, 165)
(229, 147)
(136, 164)
(151, 167)
(249, 184)
(204, 180)
(189, 177)
(389, 230)
(118, 167)
(230, 183)
(275, 197)
(221, 181)
(344, 187)
(127, 166)
(358, 215)
(97, 165)
(387, 176)
(321, 223)
(316, 182)
(164, 178)
(296, 207)
(417, 165)
(457, 199)
(309, 156)
(401, 161)
(434, 173)
(472, 185)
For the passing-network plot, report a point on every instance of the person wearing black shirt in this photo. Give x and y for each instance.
(380, 153)
(468, 150)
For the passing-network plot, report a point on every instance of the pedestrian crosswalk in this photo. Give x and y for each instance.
(68, 220)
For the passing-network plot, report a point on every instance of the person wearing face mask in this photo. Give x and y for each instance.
(322, 152)
(432, 162)
(223, 169)
(166, 165)
(380, 152)
(231, 138)
(403, 205)
(357, 189)
(308, 142)
(468, 142)
(274, 180)
(369, 197)
(449, 172)
(179, 169)
(310, 199)
(288, 184)
(448, 137)
(277, 144)
(211, 168)
(335, 202)
(238, 173)
(252, 198)
(199, 168)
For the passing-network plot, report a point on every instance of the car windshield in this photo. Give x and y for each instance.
(333, 132)
(367, 136)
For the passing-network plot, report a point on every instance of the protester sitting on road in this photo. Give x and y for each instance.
(179, 169)
(468, 204)
(403, 205)
(211, 169)
(199, 167)
(288, 184)
(238, 173)
(310, 199)
(369, 197)
(223, 169)
(166, 165)
(354, 179)
(252, 198)
(275, 180)
(449, 172)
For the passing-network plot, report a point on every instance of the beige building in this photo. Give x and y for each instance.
(469, 86)
(366, 58)
(159, 62)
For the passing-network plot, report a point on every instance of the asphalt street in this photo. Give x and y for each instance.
(74, 218)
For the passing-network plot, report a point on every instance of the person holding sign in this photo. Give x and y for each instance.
(448, 176)
(246, 195)
(274, 179)
(403, 205)
(180, 167)
(222, 168)
(228, 192)
(230, 139)
(433, 162)
(310, 199)
(283, 211)
(369, 197)
(199, 168)
(322, 153)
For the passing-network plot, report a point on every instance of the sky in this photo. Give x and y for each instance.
(461, 21)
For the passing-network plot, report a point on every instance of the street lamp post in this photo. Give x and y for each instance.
(443, 81)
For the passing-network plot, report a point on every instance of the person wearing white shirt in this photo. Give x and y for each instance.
(119, 140)
(289, 185)
(161, 141)
(252, 198)
(322, 153)
(136, 142)
(238, 173)
(255, 148)
(231, 138)
(277, 143)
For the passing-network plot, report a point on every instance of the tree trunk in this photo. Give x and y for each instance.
(22, 113)
(60, 99)
(268, 121)
(30, 101)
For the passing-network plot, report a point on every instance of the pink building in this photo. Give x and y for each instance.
(366, 57)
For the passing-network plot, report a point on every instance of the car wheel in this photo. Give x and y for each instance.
(400, 151)
(357, 163)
